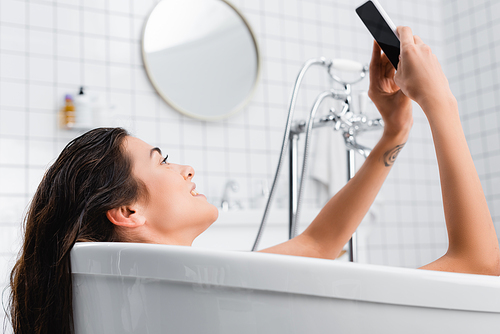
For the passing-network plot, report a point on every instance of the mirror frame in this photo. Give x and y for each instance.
(233, 111)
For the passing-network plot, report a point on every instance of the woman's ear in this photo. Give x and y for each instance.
(126, 216)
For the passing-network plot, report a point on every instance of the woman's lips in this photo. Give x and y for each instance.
(195, 193)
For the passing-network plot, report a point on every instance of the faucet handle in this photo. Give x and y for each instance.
(347, 65)
(363, 101)
(226, 202)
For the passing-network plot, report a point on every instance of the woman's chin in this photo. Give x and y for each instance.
(215, 213)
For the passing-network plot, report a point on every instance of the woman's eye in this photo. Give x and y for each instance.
(164, 161)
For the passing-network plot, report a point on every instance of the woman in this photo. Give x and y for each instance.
(108, 186)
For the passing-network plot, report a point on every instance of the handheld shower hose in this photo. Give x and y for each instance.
(291, 109)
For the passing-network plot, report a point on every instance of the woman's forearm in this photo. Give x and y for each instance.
(340, 217)
(337, 221)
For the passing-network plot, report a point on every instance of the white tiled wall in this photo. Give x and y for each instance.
(50, 48)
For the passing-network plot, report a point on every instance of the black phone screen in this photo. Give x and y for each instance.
(380, 30)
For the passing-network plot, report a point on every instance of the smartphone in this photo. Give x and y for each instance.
(382, 29)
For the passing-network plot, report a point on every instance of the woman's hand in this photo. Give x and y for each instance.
(419, 73)
(394, 106)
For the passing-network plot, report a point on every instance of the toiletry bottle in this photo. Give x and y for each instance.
(84, 116)
(67, 113)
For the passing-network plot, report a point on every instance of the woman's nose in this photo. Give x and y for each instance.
(187, 172)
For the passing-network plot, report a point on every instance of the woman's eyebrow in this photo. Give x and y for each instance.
(153, 150)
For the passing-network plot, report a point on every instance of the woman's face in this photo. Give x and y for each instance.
(173, 209)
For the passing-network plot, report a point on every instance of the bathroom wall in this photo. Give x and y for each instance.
(50, 48)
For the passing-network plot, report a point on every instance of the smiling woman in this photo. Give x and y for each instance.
(104, 186)
(172, 212)
(108, 186)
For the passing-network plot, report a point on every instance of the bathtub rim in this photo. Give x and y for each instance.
(290, 274)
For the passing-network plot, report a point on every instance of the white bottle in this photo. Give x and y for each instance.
(83, 111)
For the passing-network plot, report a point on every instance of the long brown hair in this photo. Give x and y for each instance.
(91, 175)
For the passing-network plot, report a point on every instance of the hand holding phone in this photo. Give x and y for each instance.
(382, 29)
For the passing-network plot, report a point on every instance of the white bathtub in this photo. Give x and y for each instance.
(143, 288)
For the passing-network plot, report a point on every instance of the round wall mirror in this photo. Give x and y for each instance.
(201, 56)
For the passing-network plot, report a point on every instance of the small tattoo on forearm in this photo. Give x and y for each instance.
(391, 155)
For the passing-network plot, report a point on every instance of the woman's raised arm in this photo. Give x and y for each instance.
(473, 243)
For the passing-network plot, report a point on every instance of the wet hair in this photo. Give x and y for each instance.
(92, 175)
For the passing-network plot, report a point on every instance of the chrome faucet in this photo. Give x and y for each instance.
(227, 203)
